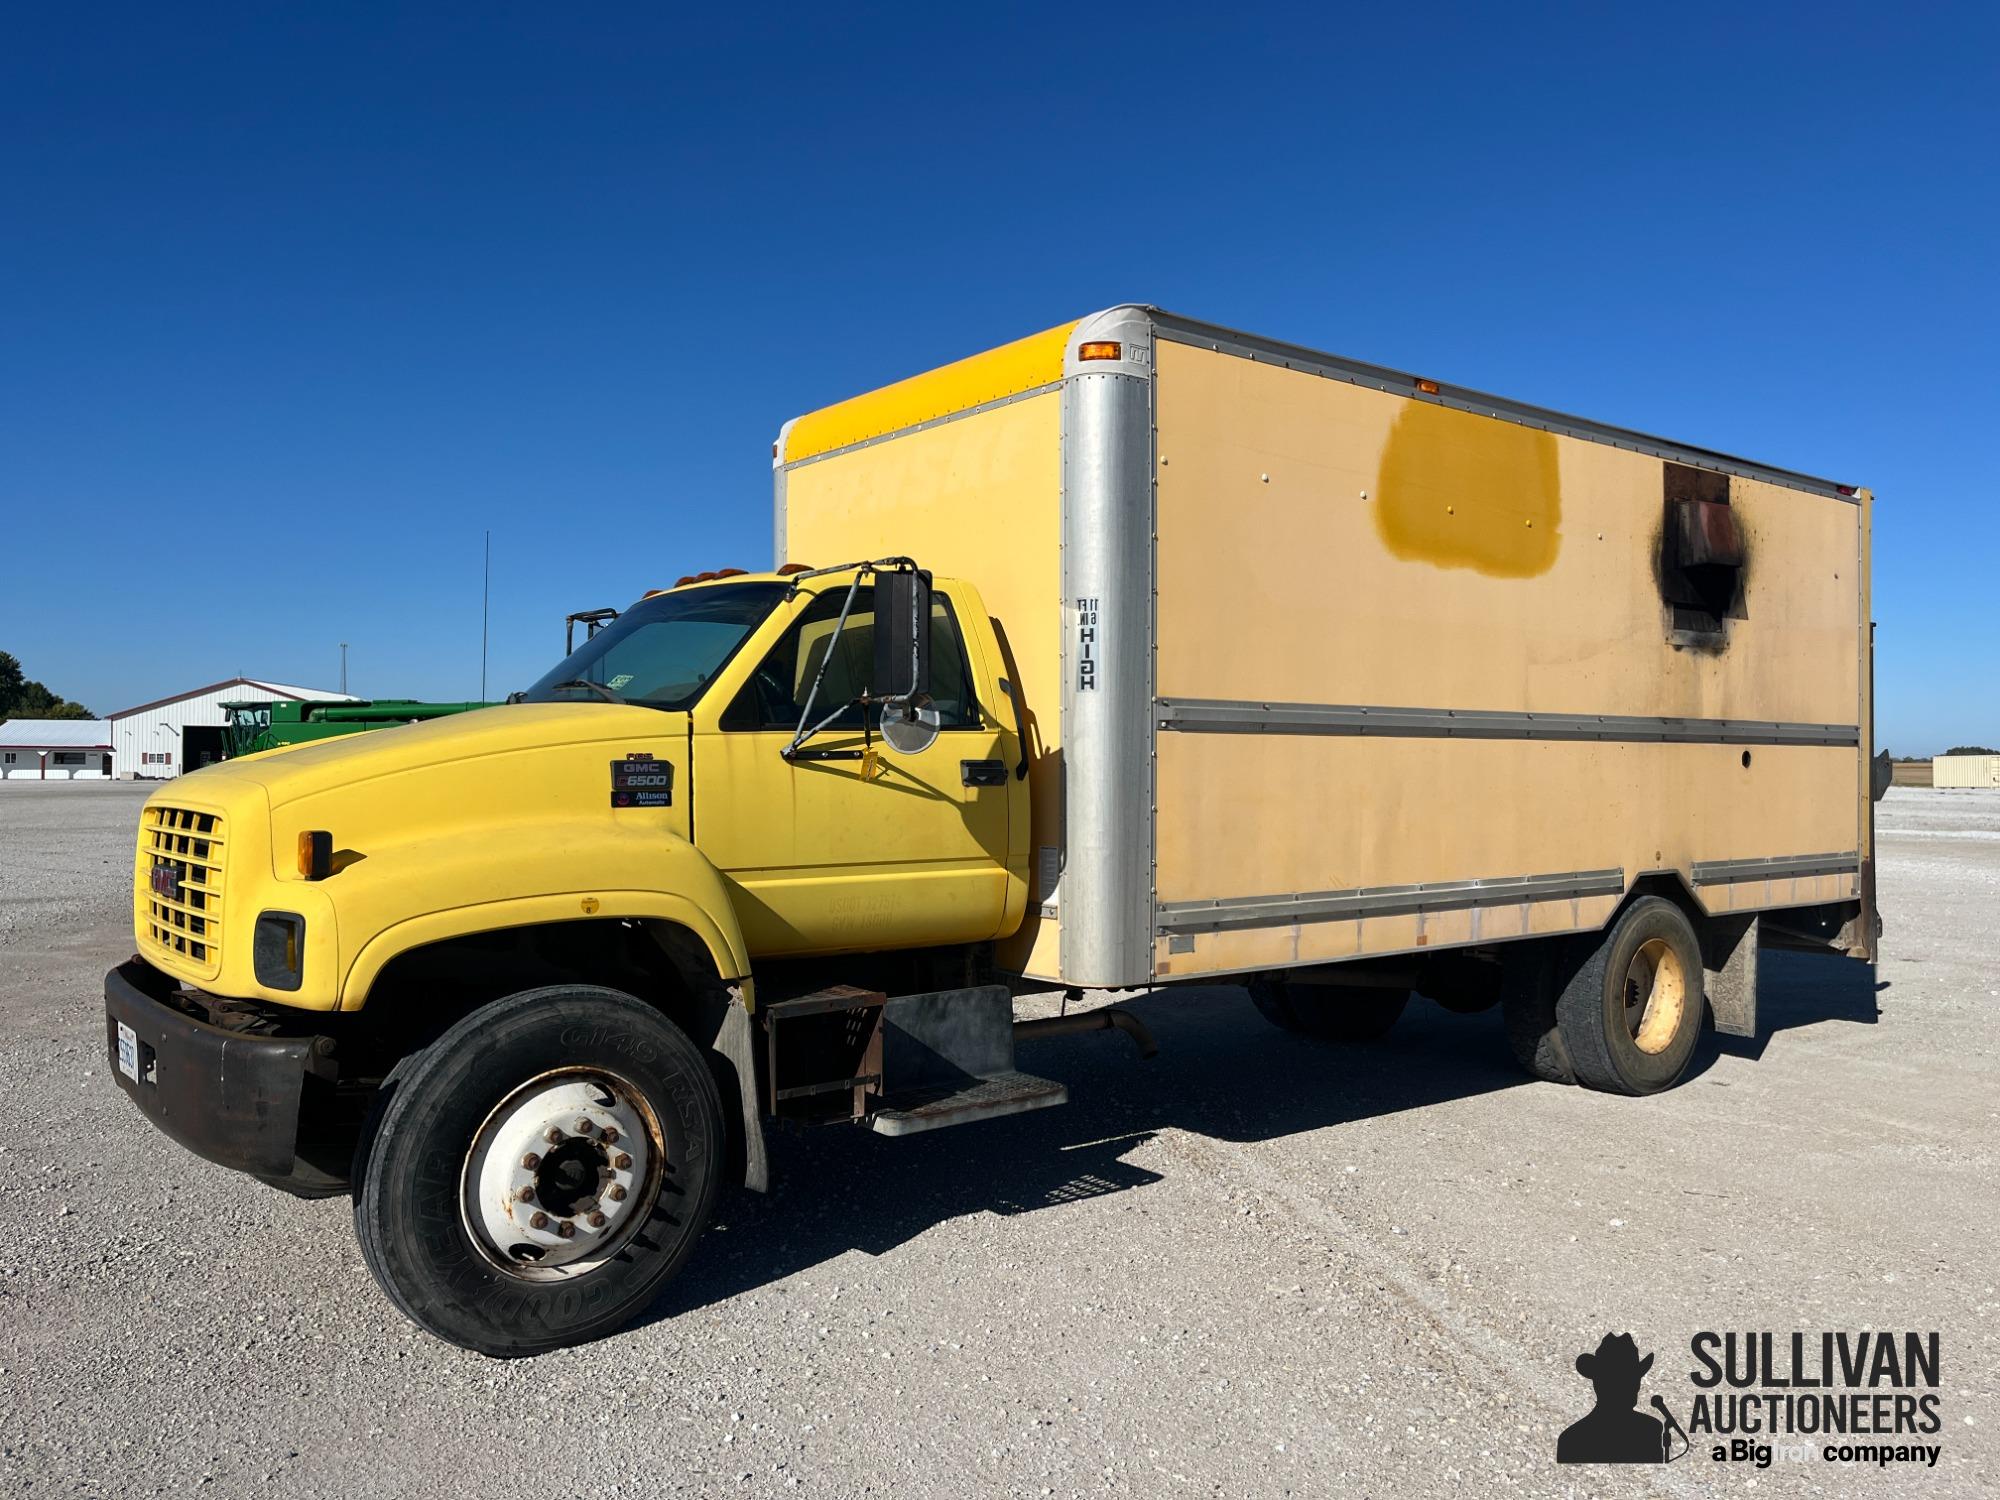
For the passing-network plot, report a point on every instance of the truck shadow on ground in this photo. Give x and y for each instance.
(1221, 1072)
(1799, 989)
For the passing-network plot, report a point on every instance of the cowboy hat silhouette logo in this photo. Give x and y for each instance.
(1613, 1433)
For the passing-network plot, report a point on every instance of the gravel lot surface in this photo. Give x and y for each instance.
(1253, 1266)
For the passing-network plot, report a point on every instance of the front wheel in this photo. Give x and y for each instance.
(536, 1175)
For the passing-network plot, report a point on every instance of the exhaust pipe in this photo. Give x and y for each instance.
(1107, 1018)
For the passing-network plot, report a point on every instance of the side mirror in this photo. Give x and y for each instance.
(902, 635)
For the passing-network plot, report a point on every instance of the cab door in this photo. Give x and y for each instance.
(853, 845)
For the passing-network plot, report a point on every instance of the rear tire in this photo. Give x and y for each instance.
(1532, 976)
(1330, 1012)
(443, 1164)
(1630, 1014)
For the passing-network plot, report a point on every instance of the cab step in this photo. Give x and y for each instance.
(1007, 1093)
(948, 1059)
(902, 1064)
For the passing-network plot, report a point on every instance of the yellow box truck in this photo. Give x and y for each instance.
(1138, 652)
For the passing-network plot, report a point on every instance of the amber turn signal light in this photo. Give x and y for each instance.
(1102, 349)
(315, 854)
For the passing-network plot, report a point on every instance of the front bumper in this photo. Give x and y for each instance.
(229, 1096)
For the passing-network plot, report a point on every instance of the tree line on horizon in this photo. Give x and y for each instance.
(1954, 750)
(21, 697)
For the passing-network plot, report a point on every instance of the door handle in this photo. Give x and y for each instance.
(982, 772)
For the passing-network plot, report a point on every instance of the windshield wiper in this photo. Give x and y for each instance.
(596, 687)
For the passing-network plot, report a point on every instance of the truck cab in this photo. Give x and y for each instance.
(714, 788)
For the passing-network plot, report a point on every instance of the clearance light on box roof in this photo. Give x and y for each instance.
(1101, 349)
(1428, 387)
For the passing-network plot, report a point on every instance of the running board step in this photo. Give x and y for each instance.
(980, 1099)
(948, 1059)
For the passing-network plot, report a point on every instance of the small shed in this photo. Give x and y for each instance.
(55, 750)
(1964, 771)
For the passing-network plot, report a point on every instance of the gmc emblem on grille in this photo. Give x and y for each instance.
(167, 881)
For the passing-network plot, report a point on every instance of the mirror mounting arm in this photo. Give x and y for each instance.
(905, 671)
(802, 734)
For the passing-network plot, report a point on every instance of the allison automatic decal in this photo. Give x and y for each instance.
(641, 781)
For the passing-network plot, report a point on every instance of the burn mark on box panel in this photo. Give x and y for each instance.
(1700, 558)
(1462, 491)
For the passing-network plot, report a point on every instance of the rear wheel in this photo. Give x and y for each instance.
(1630, 1014)
(1332, 1012)
(535, 1176)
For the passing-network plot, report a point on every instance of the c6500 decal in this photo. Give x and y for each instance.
(640, 781)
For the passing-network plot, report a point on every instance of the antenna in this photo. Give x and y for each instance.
(485, 597)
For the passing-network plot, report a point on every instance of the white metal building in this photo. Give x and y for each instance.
(184, 733)
(55, 749)
(1965, 770)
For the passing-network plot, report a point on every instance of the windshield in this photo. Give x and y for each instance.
(663, 651)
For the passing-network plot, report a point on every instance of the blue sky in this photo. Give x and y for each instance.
(296, 302)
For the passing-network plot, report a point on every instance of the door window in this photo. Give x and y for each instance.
(775, 696)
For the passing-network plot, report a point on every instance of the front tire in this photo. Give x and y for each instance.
(536, 1175)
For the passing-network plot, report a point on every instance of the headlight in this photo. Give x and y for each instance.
(280, 949)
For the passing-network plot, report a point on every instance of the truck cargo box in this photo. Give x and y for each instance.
(1321, 661)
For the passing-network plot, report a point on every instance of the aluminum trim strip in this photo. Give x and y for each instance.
(1225, 716)
(1781, 867)
(951, 416)
(1179, 330)
(1381, 901)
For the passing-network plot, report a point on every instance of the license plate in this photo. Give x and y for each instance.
(128, 1052)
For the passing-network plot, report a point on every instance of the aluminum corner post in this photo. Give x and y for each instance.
(779, 544)
(1107, 620)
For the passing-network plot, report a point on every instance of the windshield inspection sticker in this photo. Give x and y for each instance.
(640, 781)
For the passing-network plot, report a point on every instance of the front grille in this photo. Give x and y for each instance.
(181, 873)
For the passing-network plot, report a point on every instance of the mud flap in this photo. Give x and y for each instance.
(1729, 965)
(735, 1042)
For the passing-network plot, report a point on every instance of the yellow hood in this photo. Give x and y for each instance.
(508, 729)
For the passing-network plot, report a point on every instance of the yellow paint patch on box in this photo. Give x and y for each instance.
(1463, 491)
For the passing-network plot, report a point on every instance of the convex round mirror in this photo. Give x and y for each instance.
(910, 731)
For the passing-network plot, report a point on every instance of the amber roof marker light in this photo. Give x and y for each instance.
(1428, 387)
(1101, 349)
(315, 854)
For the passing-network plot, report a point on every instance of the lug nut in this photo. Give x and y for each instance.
(622, 1162)
(597, 1221)
(617, 1193)
(583, 1127)
(526, 1194)
(610, 1135)
(554, 1137)
(566, 1229)
(539, 1221)
(531, 1161)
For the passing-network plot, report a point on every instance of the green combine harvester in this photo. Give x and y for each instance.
(260, 725)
